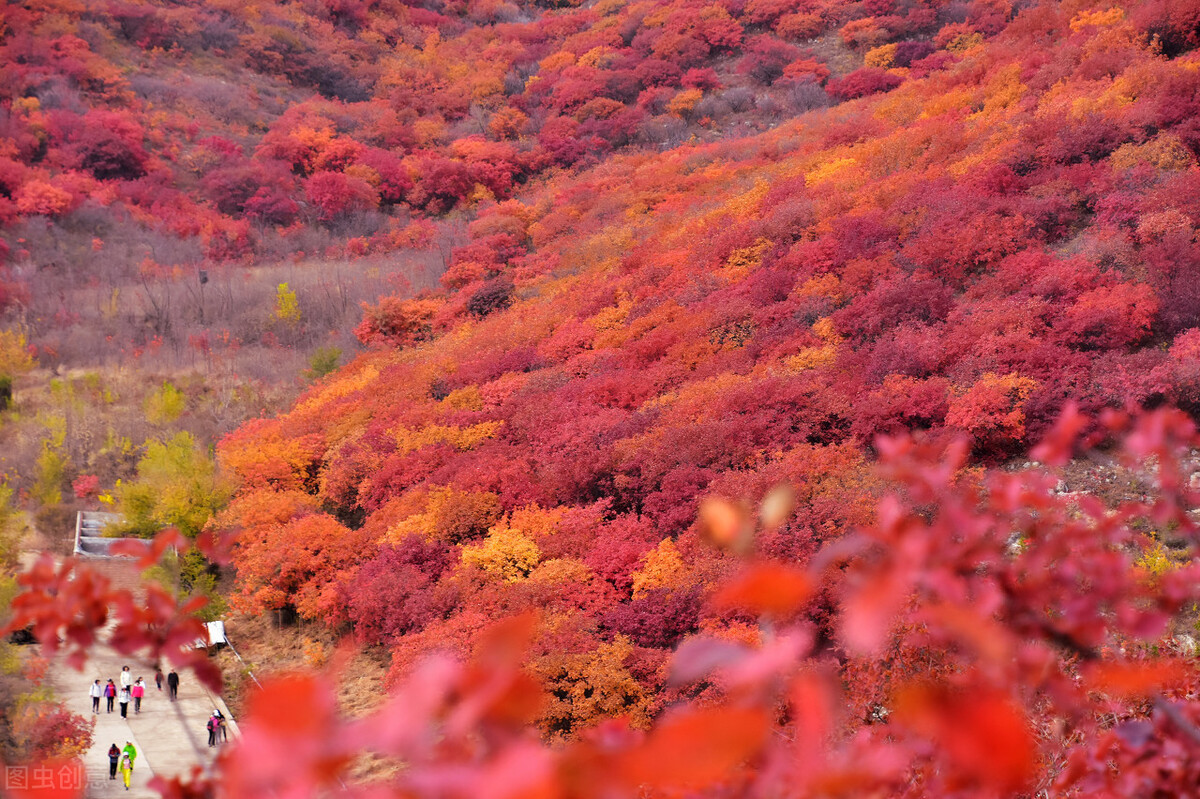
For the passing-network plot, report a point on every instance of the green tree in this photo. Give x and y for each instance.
(176, 486)
(10, 657)
(15, 359)
(12, 529)
(187, 577)
(50, 471)
(322, 362)
(165, 405)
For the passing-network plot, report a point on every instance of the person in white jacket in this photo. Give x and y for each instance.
(96, 692)
(126, 678)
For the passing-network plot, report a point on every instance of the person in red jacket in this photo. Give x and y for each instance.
(138, 691)
(114, 757)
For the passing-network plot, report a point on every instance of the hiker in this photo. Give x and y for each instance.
(114, 757)
(123, 700)
(131, 752)
(173, 684)
(138, 691)
(213, 723)
(158, 677)
(126, 677)
(110, 693)
(126, 769)
(128, 757)
(222, 729)
(96, 691)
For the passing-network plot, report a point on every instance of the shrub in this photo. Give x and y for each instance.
(324, 360)
(659, 618)
(863, 82)
(397, 322)
(46, 731)
(495, 295)
(389, 594)
(336, 194)
(765, 58)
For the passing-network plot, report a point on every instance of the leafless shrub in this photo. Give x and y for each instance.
(712, 106)
(157, 90)
(739, 98)
(663, 131)
(807, 96)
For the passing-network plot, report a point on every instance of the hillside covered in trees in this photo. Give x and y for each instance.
(667, 279)
(964, 253)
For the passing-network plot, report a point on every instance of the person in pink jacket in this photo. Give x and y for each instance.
(138, 690)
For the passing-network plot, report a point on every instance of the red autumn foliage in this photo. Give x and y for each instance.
(335, 194)
(659, 619)
(1010, 228)
(863, 82)
(86, 486)
(953, 597)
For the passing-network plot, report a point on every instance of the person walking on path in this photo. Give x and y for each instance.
(131, 751)
(173, 684)
(114, 757)
(213, 722)
(126, 770)
(123, 699)
(126, 677)
(138, 691)
(96, 691)
(110, 693)
(222, 730)
(158, 677)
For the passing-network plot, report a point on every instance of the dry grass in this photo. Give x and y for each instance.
(269, 649)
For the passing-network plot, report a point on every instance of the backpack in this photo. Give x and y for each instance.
(212, 724)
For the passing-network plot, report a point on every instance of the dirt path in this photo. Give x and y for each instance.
(170, 737)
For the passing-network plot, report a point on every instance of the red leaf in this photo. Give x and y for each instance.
(697, 748)
(1058, 446)
(767, 588)
(133, 548)
(982, 734)
(295, 705)
(524, 771)
(506, 642)
(697, 658)
(1133, 680)
(216, 546)
(813, 712)
(988, 639)
(868, 615)
(148, 553)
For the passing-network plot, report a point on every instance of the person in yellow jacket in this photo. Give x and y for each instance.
(126, 769)
(128, 758)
